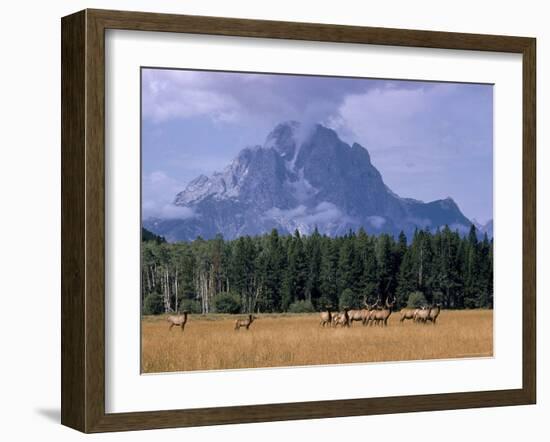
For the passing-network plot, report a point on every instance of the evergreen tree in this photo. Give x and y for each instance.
(328, 279)
(294, 287)
(313, 259)
(473, 266)
(369, 276)
(346, 265)
(386, 266)
(275, 263)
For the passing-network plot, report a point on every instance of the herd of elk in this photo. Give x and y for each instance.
(375, 313)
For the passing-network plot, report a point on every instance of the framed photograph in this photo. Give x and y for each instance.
(268, 221)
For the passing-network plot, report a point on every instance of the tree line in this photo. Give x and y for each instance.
(298, 273)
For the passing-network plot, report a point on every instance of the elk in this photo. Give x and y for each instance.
(381, 316)
(360, 314)
(410, 313)
(369, 314)
(341, 319)
(326, 318)
(407, 313)
(422, 314)
(434, 313)
(177, 320)
(244, 322)
(355, 315)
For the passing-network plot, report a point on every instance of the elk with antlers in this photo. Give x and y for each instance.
(371, 310)
(381, 316)
(360, 314)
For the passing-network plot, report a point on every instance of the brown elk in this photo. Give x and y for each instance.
(370, 312)
(326, 318)
(381, 316)
(177, 320)
(407, 313)
(246, 323)
(434, 313)
(341, 319)
(422, 314)
(410, 313)
(360, 314)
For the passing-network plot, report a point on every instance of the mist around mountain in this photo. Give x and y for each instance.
(301, 178)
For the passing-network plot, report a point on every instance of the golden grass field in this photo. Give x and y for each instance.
(276, 340)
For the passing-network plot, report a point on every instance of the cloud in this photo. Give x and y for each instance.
(168, 211)
(324, 213)
(159, 182)
(184, 94)
(287, 214)
(435, 120)
(421, 223)
(376, 221)
(158, 191)
(301, 216)
(234, 97)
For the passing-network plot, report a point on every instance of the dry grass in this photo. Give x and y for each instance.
(210, 343)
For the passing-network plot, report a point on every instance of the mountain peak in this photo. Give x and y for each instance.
(288, 136)
(302, 177)
(448, 203)
(283, 138)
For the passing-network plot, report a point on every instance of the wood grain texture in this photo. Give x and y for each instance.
(529, 221)
(83, 219)
(144, 21)
(73, 254)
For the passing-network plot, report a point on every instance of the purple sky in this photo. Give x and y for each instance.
(429, 140)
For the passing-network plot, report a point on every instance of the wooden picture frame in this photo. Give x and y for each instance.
(83, 220)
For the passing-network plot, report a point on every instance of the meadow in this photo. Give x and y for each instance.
(210, 342)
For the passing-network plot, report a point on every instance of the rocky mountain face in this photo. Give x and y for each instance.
(300, 178)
